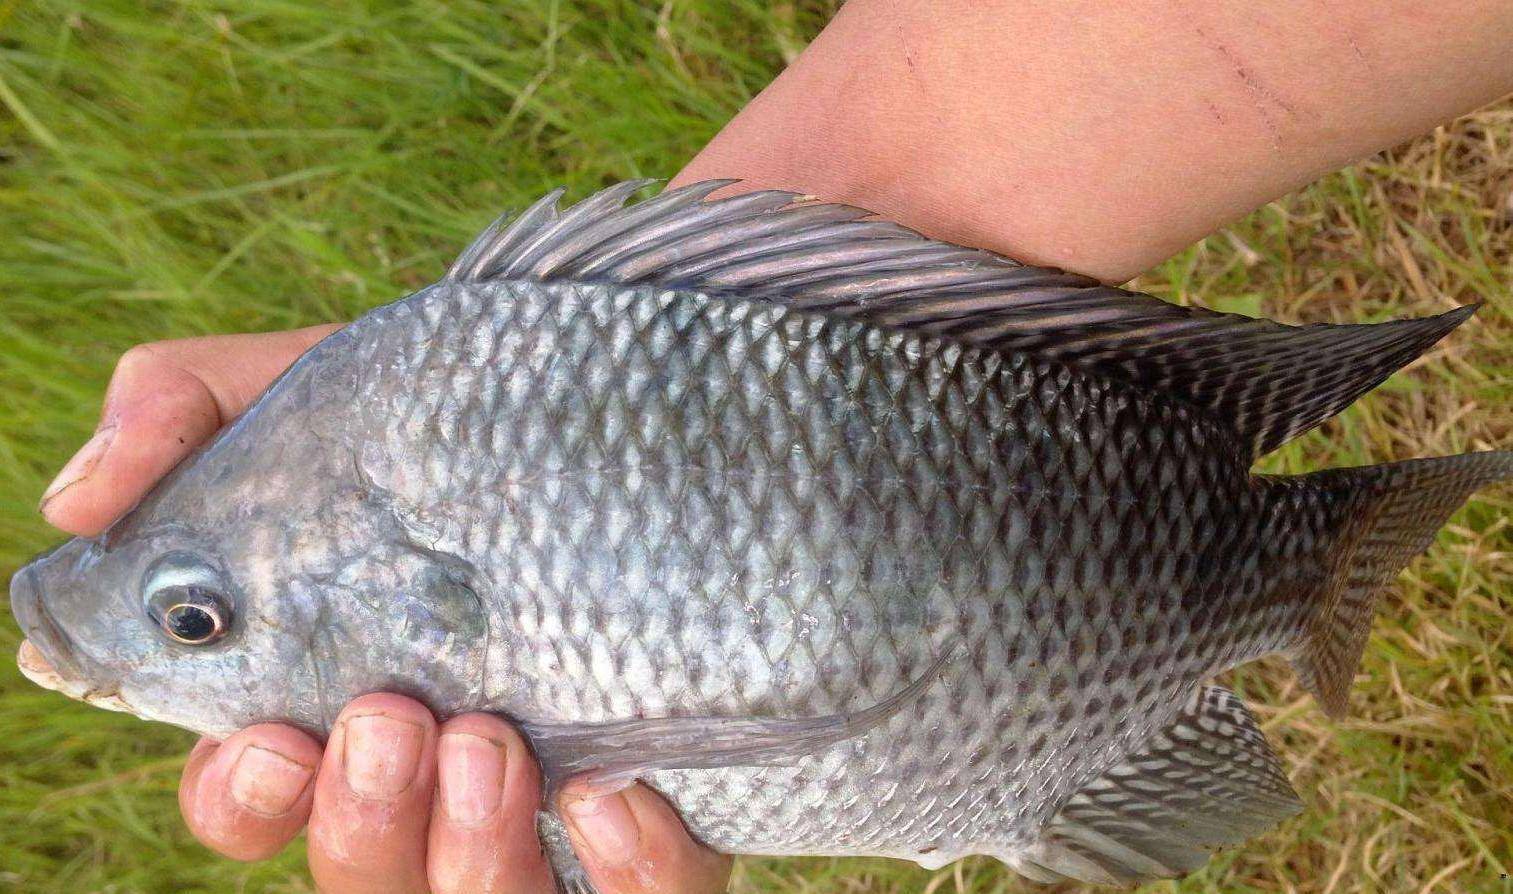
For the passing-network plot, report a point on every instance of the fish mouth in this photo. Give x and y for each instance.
(48, 656)
(35, 667)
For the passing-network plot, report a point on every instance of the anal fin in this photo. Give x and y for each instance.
(1208, 780)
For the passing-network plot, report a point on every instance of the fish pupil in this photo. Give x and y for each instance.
(190, 623)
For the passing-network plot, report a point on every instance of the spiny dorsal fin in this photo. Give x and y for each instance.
(1208, 780)
(1266, 381)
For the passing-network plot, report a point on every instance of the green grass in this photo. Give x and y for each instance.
(194, 168)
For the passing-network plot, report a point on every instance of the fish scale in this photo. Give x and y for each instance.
(1012, 564)
(844, 540)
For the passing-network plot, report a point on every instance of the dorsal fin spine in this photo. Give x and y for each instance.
(508, 238)
(598, 263)
(758, 248)
(594, 207)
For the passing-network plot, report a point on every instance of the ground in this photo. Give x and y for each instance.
(181, 168)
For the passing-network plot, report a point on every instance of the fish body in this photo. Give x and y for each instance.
(699, 506)
(846, 541)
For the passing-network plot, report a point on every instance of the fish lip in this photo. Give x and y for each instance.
(76, 674)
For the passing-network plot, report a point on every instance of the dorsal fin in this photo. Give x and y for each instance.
(1265, 381)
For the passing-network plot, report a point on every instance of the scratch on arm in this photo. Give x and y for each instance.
(1270, 105)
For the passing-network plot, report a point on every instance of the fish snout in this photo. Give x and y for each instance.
(49, 657)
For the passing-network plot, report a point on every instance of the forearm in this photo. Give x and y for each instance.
(1104, 137)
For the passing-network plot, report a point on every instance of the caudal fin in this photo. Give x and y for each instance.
(1383, 517)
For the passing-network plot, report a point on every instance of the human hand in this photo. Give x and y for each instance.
(395, 803)
(400, 805)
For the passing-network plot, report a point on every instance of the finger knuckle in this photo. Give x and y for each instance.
(147, 356)
(150, 386)
(175, 407)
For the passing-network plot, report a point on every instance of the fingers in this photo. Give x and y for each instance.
(632, 842)
(483, 837)
(373, 799)
(164, 400)
(247, 797)
(397, 806)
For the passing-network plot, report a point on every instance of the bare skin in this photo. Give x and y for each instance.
(1095, 137)
(1103, 137)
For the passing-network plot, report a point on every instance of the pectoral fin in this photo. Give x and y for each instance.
(1207, 781)
(624, 749)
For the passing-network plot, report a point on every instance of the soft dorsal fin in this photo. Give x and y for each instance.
(1266, 381)
(1206, 781)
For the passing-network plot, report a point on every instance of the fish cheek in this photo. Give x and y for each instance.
(213, 693)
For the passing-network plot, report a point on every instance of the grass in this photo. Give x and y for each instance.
(186, 168)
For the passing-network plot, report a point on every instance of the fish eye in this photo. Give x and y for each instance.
(186, 600)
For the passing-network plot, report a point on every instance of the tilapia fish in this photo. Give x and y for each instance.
(845, 540)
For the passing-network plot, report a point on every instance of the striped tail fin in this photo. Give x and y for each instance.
(1376, 518)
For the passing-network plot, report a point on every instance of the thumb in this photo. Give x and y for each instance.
(165, 399)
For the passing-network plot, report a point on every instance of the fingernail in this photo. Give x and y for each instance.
(266, 782)
(606, 826)
(381, 755)
(81, 465)
(472, 777)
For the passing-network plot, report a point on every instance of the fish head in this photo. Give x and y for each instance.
(161, 621)
(182, 610)
(269, 577)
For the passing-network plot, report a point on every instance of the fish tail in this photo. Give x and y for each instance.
(1363, 526)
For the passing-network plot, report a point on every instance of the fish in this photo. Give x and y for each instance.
(845, 540)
